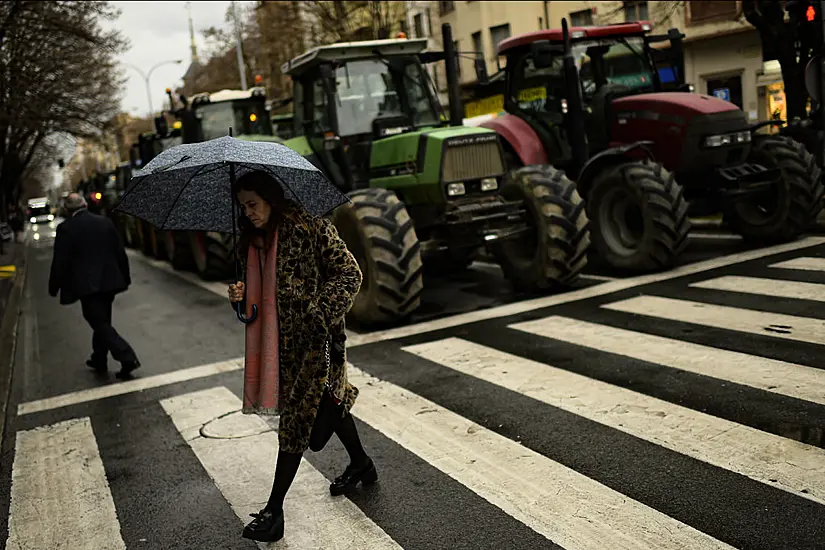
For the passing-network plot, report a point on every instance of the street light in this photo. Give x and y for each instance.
(147, 76)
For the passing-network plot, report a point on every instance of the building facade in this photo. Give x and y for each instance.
(723, 52)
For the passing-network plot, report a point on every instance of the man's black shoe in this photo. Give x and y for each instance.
(96, 365)
(127, 367)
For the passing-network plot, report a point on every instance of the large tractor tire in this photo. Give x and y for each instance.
(212, 255)
(380, 234)
(555, 252)
(796, 202)
(638, 216)
(178, 250)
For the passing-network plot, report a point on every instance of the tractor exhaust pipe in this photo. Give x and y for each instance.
(575, 108)
(451, 65)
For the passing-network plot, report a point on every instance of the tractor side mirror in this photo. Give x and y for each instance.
(813, 77)
(481, 71)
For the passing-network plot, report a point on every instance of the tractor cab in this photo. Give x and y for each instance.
(242, 110)
(349, 95)
(613, 61)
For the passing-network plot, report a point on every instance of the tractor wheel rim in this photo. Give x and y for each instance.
(622, 222)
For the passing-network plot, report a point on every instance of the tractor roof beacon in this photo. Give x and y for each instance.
(614, 112)
(424, 188)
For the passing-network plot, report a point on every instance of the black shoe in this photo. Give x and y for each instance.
(127, 367)
(266, 527)
(346, 482)
(97, 365)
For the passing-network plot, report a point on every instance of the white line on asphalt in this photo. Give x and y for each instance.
(590, 292)
(239, 453)
(598, 277)
(798, 381)
(563, 505)
(767, 458)
(139, 384)
(804, 263)
(766, 287)
(60, 498)
(775, 325)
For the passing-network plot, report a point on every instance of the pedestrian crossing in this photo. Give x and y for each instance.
(631, 419)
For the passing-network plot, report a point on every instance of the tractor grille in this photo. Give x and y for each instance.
(472, 161)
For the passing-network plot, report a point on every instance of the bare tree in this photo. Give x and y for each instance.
(333, 21)
(57, 74)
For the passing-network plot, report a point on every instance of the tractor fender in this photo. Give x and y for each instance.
(609, 157)
(520, 136)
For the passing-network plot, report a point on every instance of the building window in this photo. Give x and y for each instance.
(583, 18)
(478, 47)
(711, 10)
(635, 11)
(445, 6)
(418, 24)
(499, 33)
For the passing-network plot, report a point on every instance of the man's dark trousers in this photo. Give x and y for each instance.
(97, 310)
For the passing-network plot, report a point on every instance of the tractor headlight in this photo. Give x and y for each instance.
(455, 189)
(33, 219)
(51, 217)
(489, 184)
(720, 140)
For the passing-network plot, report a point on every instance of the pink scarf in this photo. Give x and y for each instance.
(262, 375)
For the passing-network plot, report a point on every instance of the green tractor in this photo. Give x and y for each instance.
(424, 189)
(203, 117)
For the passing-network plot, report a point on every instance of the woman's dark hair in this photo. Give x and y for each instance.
(270, 191)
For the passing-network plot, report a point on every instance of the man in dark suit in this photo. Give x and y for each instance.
(90, 265)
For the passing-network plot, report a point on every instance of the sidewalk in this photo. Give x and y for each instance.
(12, 278)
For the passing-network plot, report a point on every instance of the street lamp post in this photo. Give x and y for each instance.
(147, 76)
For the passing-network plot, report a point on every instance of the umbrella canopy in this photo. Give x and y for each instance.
(188, 187)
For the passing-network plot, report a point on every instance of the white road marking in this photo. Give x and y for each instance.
(776, 325)
(798, 381)
(563, 505)
(590, 292)
(766, 287)
(239, 453)
(139, 384)
(60, 498)
(598, 277)
(804, 263)
(747, 451)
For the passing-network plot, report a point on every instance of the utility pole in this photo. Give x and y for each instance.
(239, 45)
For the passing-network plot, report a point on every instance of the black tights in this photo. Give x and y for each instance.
(288, 463)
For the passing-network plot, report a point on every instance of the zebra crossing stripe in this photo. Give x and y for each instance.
(804, 263)
(239, 453)
(60, 498)
(766, 287)
(776, 325)
(122, 388)
(713, 440)
(561, 504)
(798, 381)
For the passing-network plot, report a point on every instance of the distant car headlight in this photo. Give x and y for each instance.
(51, 217)
(455, 189)
(33, 219)
(36, 236)
(489, 184)
(733, 138)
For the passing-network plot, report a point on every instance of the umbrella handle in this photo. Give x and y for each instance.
(242, 317)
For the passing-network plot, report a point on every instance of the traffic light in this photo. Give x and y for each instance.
(810, 14)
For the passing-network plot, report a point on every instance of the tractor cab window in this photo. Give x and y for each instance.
(618, 62)
(244, 117)
(370, 89)
(539, 90)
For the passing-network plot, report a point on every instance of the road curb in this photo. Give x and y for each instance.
(8, 335)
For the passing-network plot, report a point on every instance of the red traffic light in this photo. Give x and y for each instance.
(810, 13)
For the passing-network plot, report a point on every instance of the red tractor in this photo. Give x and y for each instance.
(613, 112)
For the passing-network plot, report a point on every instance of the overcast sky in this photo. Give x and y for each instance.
(158, 32)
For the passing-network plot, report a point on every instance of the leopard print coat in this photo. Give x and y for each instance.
(318, 278)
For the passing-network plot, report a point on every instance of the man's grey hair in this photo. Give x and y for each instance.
(74, 202)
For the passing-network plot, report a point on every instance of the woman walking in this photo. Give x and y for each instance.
(303, 280)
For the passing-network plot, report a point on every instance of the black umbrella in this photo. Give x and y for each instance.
(188, 187)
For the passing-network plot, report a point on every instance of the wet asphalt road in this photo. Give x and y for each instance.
(167, 494)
